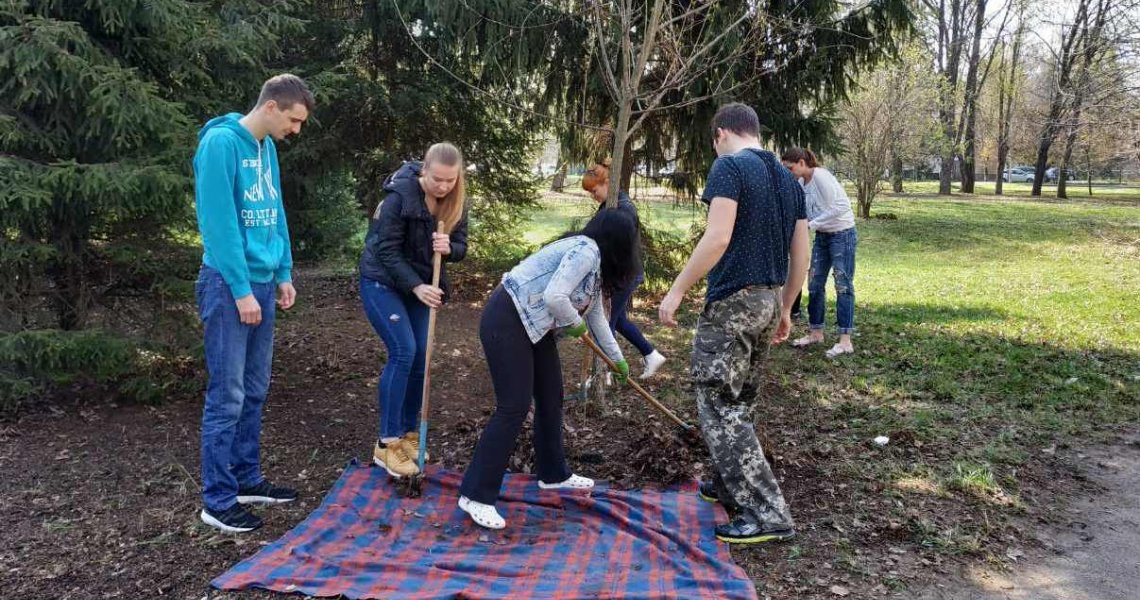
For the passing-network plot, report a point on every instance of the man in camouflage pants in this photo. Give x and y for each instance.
(756, 240)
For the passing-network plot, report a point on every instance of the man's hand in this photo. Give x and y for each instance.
(286, 295)
(784, 328)
(429, 295)
(249, 310)
(668, 309)
(441, 242)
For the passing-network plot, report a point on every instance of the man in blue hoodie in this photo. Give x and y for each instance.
(246, 259)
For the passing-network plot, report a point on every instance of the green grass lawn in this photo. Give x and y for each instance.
(987, 330)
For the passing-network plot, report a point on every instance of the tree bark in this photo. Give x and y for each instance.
(68, 274)
(896, 174)
(558, 182)
(970, 102)
(950, 40)
(1067, 156)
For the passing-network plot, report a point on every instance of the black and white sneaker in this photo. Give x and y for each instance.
(266, 493)
(235, 519)
(744, 530)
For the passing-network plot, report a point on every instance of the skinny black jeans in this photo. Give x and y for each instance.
(520, 371)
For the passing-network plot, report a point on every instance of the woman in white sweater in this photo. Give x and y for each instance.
(830, 217)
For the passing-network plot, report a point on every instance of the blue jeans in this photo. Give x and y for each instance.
(238, 358)
(402, 322)
(833, 252)
(619, 320)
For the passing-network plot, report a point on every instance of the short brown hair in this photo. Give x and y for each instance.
(795, 155)
(738, 118)
(286, 89)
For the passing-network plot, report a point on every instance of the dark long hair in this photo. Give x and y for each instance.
(615, 233)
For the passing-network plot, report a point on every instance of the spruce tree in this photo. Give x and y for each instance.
(99, 103)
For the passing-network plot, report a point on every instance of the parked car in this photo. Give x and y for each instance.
(1021, 174)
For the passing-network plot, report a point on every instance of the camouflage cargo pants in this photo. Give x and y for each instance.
(729, 350)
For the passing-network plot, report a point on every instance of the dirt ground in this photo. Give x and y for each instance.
(101, 501)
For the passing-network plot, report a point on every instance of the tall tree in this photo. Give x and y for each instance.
(1008, 89)
(1082, 42)
(889, 116)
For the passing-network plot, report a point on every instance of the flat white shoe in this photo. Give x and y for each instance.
(484, 515)
(652, 362)
(836, 350)
(576, 482)
(806, 340)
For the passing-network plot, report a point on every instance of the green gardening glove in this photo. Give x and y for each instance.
(576, 330)
(622, 374)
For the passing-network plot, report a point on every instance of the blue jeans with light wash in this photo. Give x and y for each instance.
(402, 322)
(833, 252)
(239, 359)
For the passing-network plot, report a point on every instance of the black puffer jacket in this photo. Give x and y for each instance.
(397, 250)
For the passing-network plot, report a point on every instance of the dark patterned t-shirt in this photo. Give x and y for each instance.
(768, 204)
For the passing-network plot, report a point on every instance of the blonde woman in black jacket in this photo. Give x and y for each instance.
(396, 289)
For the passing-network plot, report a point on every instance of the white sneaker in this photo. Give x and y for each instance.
(484, 515)
(576, 482)
(653, 361)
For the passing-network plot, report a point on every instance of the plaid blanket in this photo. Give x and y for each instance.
(367, 541)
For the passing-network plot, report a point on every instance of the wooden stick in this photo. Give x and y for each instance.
(436, 262)
(640, 390)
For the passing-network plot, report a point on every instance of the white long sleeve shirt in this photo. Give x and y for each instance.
(828, 207)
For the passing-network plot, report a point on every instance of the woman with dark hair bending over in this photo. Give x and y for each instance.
(597, 182)
(548, 291)
(830, 217)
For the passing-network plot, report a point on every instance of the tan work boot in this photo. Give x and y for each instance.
(394, 459)
(411, 442)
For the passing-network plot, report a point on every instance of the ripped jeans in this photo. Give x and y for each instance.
(833, 252)
(402, 322)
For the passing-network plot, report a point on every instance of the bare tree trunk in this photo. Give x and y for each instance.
(970, 103)
(627, 165)
(1070, 141)
(950, 40)
(558, 183)
(1003, 152)
(896, 174)
(1083, 40)
(69, 275)
(621, 143)
(1007, 93)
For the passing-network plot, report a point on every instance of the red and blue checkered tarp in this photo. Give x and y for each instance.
(368, 541)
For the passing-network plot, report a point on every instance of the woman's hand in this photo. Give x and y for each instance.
(429, 295)
(577, 330)
(441, 242)
(621, 375)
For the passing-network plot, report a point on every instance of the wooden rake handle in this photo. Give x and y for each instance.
(590, 343)
(436, 263)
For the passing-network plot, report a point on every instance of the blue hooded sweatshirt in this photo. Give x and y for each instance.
(237, 189)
